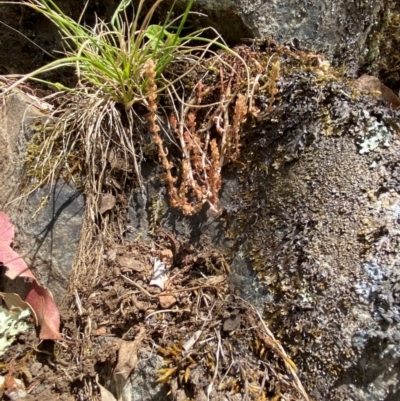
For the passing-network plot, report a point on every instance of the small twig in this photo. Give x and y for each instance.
(78, 303)
(140, 287)
(226, 373)
(167, 310)
(166, 293)
(210, 386)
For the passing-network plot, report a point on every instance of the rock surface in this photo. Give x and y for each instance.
(310, 223)
(338, 28)
(48, 238)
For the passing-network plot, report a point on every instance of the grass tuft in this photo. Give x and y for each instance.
(125, 67)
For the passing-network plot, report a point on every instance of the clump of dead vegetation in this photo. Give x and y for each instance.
(206, 128)
(213, 343)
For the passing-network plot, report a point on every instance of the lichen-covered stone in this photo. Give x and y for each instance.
(339, 28)
(319, 220)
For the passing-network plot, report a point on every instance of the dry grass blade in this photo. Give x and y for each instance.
(277, 347)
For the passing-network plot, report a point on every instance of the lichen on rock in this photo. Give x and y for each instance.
(318, 220)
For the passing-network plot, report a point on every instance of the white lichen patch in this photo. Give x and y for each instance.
(375, 133)
(12, 324)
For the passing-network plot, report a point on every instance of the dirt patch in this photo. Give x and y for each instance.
(211, 341)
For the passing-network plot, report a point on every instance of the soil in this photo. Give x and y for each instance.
(124, 307)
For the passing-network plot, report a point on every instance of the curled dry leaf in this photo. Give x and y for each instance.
(106, 203)
(39, 298)
(373, 85)
(47, 315)
(105, 394)
(13, 301)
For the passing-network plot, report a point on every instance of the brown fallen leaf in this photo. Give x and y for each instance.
(106, 202)
(13, 301)
(127, 355)
(373, 85)
(14, 388)
(16, 266)
(105, 394)
(127, 361)
(47, 315)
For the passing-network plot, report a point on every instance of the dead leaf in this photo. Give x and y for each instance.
(215, 280)
(106, 202)
(47, 314)
(127, 361)
(15, 265)
(13, 301)
(129, 263)
(166, 301)
(6, 229)
(14, 389)
(39, 298)
(127, 355)
(372, 84)
(105, 394)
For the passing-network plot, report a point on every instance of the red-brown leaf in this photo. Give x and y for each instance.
(15, 265)
(39, 298)
(6, 229)
(47, 315)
